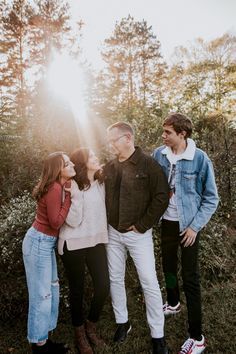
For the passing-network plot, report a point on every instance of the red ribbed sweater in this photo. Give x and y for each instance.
(52, 211)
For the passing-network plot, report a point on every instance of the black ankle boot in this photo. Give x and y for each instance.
(40, 349)
(159, 346)
(57, 348)
(49, 348)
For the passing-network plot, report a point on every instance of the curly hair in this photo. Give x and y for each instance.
(80, 158)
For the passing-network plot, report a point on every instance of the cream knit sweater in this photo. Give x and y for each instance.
(86, 222)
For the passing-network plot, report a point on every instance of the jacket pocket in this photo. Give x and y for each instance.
(190, 176)
(189, 182)
(140, 181)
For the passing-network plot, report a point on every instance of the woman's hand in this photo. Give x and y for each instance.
(67, 186)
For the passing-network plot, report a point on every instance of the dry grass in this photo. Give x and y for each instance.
(219, 308)
(218, 298)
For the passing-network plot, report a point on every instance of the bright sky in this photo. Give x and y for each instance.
(174, 22)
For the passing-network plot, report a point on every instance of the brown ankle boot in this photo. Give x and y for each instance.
(81, 341)
(93, 336)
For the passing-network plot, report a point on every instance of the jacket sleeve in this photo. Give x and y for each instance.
(209, 200)
(56, 209)
(159, 191)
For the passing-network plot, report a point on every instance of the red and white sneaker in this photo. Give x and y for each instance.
(171, 310)
(192, 346)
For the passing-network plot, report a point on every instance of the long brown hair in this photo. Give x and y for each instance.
(80, 158)
(50, 173)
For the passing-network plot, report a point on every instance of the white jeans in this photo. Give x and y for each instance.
(140, 247)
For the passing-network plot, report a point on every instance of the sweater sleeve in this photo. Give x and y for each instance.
(56, 209)
(75, 214)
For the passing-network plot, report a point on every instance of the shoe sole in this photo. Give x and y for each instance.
(122, 341)
(130, 327)
(171, 313)
(199, 350)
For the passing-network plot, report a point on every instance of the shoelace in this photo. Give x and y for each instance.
(186, 346)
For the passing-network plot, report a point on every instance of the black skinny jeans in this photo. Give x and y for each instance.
(96, 261)
(170, 242)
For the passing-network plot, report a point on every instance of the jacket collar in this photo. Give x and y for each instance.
(134, 158)
(188, 154)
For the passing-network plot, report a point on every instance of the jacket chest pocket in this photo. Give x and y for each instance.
(190, 180)
(140, 181)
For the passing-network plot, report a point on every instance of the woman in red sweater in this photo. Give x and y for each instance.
(53, 203)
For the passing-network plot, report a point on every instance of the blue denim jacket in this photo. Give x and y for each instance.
(195, 188)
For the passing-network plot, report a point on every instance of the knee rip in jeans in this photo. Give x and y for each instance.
(49, 295)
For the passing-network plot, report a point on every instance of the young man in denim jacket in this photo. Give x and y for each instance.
(192, 201)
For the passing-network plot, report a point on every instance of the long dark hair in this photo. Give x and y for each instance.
(51, 173)
(80, 158)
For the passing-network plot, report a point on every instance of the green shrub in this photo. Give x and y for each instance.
(15, 218)
(217, 250)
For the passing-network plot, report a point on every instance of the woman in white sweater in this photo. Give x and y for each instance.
(81, 243)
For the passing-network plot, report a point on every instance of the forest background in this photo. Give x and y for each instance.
(136, 85)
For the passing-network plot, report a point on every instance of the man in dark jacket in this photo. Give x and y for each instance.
(136, 197)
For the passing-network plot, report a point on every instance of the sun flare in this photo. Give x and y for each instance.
(68, 81)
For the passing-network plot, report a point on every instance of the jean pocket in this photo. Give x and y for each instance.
(46, 247)
(27, 245)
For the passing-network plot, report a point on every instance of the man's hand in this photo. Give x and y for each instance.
(133, 228)
(189, 237)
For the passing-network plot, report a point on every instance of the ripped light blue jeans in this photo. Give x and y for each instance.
(42, 281)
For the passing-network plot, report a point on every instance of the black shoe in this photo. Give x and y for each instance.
(49, 348)
(40, 349)
(57, 348)
(122, 330)
(159, 346)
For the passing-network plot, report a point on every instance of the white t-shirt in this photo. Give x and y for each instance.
(171, 211)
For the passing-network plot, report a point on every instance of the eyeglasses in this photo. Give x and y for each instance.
(113, 141)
